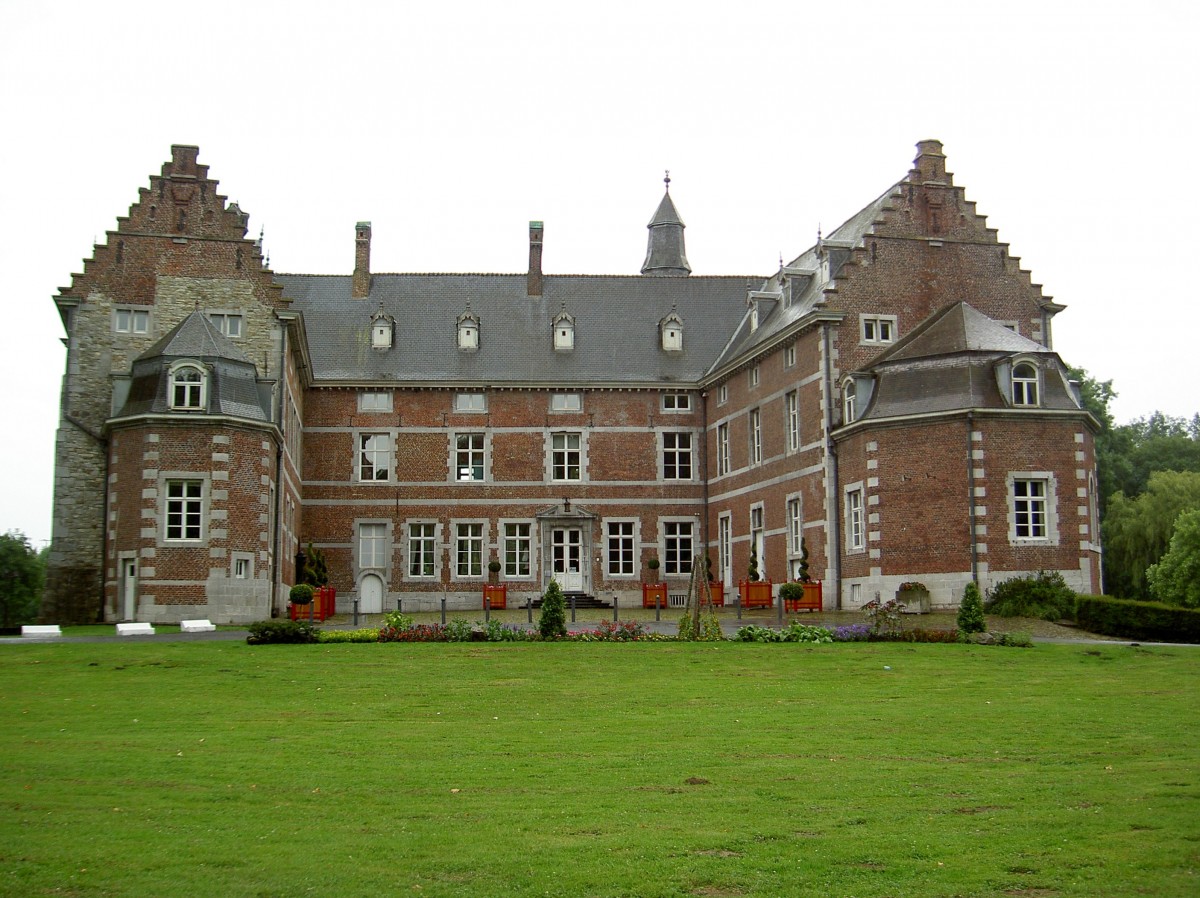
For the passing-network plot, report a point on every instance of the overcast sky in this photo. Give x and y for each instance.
(449, 126)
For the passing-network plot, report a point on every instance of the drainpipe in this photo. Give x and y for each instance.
(277, 528)
(833, 539)
(704, 468)
(971, 500)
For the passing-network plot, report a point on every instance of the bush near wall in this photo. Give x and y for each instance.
(1137, 620)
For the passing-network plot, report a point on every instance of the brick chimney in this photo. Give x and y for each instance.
(930, 164)
(535, 259)
(361, 286)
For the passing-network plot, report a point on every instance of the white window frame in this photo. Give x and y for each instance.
(676, 534)
(758, 536)
(470, 403)
(561, 453)
(756, 446)
(375, 401)
(516, 549)
(241, 566)
(789, 356)
(1032, 508)
(194, 393)
(849, 400)
(184, 503)
(677, 402)
(1026, 388)
(368, 455)
(876, 330)
(231, 324)
(755, 375)
(372, 545)
(725, 546)
(136, 320)
(791, 406)
(422, 550)
(475, 454)
(722, 394)
(469, 537)
(723, 465)
(566, 402)
(468, 334)
(620, 548)
(856, 522)
(676, 454)
(795, 519)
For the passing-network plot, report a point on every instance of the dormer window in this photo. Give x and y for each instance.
(849, 401)
(564, 332)
(468, 331)
(382, 326)
(1024, 385)
(672, 332)
(187, 387)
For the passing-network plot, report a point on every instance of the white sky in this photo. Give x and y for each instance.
(450, 125)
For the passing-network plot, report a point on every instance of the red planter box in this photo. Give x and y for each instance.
(654, 593)
(811, 600)
(755, 593)
(497, 594)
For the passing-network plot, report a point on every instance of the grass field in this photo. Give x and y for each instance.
(220, 769)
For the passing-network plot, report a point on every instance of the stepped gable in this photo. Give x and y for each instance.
(179, 226)
(232, 387)
(954, 361)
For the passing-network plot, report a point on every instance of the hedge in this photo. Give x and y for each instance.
(1137, 620)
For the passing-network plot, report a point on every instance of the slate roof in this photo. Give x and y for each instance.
(806, 282)
(232, 387)
(955, 360)
(617, 336)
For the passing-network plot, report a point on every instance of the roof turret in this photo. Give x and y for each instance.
(665, 255)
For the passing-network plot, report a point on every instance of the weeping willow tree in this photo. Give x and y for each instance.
(1137, 532)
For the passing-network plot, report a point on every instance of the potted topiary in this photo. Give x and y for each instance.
(495, 593)
(301, 596)
(755, 592)
(654, 594)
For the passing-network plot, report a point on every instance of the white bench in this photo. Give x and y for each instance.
(196, 626)
(41, 631)
(135, 630)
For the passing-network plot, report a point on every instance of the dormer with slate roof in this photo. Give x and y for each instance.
(671, 329)
(564, 331)
(468, 331)
(383, 328)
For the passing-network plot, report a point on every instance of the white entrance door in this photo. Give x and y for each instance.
(129, 589)
(370, 595)
(566, 557)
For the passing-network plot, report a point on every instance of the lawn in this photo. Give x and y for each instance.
(220, 769)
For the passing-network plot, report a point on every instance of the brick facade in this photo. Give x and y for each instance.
(740, 437)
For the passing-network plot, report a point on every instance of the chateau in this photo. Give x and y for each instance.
(889, 401)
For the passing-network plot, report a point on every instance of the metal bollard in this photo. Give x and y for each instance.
(399, 606)
(572, 609)
(616, 601)
(356, 612)
(443, 612)
(529, 609)
(780, 602)
(657, 610)
(738, 603)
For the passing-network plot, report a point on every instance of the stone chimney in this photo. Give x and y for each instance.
(361, 285)
(930, 164)
(534, 287)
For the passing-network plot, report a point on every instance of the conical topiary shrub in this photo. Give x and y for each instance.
(553, 622)
(970, 612)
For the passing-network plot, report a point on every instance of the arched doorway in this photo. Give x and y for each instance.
(370, 595)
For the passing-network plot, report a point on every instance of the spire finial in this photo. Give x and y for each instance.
(667, 179)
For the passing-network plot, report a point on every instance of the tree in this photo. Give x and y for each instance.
(1176, 579)
(553, 621)
(22, 573)
(1137, 532)
(970, 612)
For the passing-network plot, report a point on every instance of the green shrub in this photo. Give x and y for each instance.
(970, 613)
(791, 592)
(1018, 640)
(460, 630)
(368, 634)
(1045, 595)
(553, 621)
(268, 632)
(397, 621)
(920, 634)
(755, 633)
(798, 632)
(1138, 620)
(301, 594)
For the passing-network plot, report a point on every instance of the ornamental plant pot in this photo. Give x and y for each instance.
(653, 593)
(914, 600)
(717, 591)
(755, 593)
(496, 594)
